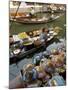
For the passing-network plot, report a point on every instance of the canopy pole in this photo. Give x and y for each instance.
(15, 14)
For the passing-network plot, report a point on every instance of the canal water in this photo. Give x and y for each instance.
(16, 28)
(60, 22)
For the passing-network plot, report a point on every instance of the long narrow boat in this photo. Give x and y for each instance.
(17, 57)
(35, 21)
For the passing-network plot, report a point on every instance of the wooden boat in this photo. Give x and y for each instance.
(31, 48)
(35, 20)
(51, 80)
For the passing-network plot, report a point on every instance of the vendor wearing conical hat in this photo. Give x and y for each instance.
(30, 73)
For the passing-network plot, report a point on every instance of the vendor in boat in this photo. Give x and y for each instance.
(43, 35)
(11, 40)
(32, 12)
